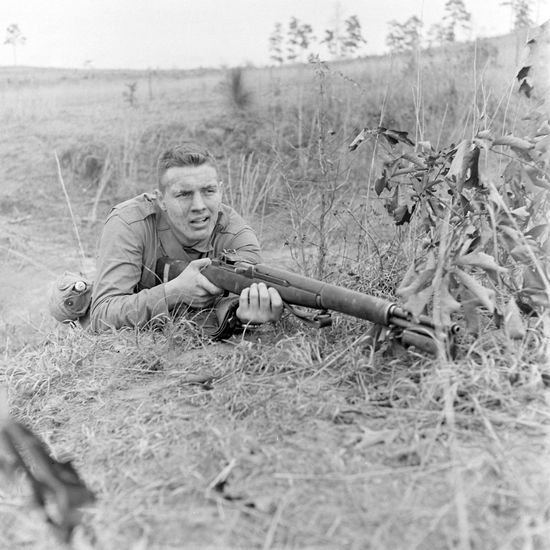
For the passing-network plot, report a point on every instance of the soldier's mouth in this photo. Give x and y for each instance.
(199, 222)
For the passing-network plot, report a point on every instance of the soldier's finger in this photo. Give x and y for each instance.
(276, 301)
(244, 298)
(206, 285)
(263, 296)
(254, 298)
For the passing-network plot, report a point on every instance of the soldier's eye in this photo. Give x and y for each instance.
(69, 302)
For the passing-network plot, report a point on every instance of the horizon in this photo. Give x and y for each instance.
(248, 65)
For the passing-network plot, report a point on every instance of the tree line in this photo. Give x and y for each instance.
(294, 41)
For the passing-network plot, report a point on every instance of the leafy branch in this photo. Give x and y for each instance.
(485, 242)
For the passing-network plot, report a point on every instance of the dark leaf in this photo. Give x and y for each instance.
(523, 72)
(402, 214)
(458, 167)
(358, 140)
(392, 204)
(537, 231)
(465, 203)
(472, 160)
(525, 88)
(380, 184)
(395, 136)
(473, 244)
(525, 305)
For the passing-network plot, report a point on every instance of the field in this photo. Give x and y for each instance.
(285, 436)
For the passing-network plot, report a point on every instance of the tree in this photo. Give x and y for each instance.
(344, 43)
(331, 41)
(353, 38)
(276, 44)
(15, 37)
(300, 36)
(521, 10)
(403, 37)
(455, 15)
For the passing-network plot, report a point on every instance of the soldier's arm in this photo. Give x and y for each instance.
(115, 302)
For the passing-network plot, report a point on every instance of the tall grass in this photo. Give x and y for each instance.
(250, 191)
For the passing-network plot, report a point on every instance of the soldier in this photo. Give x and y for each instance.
(183, 219)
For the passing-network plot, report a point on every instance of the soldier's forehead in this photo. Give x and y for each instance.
(191, 176)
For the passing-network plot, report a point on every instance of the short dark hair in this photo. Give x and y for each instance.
(188, 153)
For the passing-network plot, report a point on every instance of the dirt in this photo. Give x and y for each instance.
(31, 263)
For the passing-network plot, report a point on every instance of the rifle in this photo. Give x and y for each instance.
(233, 275)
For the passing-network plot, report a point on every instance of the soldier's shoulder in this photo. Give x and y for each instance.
(230, 220)
(136, 209)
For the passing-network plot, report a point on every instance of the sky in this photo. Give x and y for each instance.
(167, 34)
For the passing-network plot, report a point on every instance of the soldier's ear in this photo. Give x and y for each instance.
(159, 197)
(220, 187)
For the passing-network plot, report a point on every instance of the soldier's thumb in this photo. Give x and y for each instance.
(199, 265)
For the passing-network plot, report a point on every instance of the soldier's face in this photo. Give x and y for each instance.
(191, 201)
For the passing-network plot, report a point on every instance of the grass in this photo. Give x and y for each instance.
(316, 445)
(286, 437)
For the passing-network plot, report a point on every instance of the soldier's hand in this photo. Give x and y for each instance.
(259, 304)
(191, 287)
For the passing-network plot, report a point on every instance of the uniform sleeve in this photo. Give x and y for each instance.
(245, 243)
(115, 302)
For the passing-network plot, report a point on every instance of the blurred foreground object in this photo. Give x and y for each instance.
(56, 486)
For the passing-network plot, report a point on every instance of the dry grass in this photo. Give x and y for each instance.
(286, 438)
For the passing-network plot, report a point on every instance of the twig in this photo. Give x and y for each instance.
(103, 182)
(80, 247)
(223, 475)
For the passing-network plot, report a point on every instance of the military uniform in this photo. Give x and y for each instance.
(127, 291)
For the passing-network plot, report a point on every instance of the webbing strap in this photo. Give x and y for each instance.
(318, 320)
